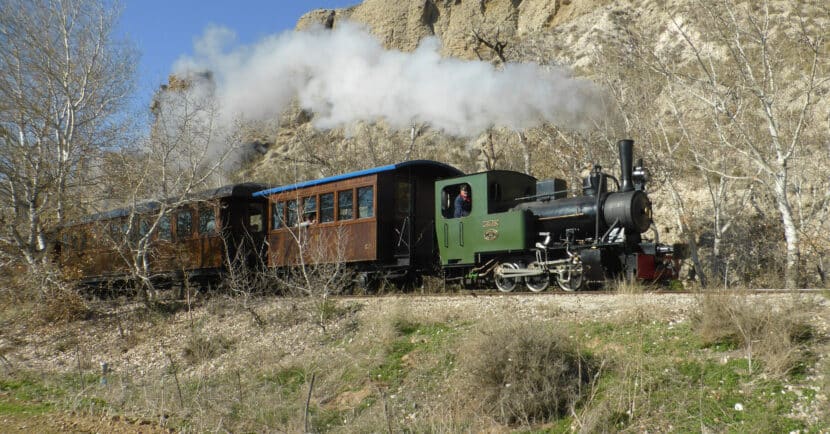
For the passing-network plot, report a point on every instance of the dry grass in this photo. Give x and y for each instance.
(625, 286)
(526, 373)
(200, 347)
(405, 365)
(63, 306)
(773, 333)
(42, 296)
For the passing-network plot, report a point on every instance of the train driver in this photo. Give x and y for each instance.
(463, 202)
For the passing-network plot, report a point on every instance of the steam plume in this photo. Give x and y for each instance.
(345, 75)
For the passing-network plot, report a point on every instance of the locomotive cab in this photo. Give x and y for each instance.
(492, 226)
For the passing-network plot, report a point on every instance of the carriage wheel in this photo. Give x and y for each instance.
(507, 284)
(537, 283)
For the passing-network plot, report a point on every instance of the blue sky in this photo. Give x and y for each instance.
(163, 31)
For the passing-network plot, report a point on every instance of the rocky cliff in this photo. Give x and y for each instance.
(559, 32)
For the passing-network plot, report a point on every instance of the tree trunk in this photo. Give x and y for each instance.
(790, 231)
(525, 152)
(680, 212)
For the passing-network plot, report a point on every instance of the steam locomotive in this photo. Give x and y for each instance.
(524, 230)
(397, 223)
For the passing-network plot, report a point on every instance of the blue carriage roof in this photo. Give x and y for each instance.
(451, 171)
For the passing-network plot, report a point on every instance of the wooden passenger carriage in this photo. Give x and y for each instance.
(380, 220)
(196, 239)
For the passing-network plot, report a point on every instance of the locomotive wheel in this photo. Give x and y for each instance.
(507, 284)
(537, 283)
(574, 283)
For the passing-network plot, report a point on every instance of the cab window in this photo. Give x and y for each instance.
(456, 200)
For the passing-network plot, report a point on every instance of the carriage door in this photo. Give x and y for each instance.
(403, 218)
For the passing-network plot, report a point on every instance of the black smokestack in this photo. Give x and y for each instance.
(626, 158)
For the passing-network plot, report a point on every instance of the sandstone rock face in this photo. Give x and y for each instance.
(402, 24)
(542, 31)
(565, 32)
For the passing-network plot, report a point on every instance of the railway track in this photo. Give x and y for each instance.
(497, 293)
(467, 293)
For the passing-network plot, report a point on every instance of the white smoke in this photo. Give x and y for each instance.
(345, 75)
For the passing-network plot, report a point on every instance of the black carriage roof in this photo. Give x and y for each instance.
(451, 171)
(244, 190)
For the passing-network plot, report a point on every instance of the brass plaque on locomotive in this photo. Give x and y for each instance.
(490, 223)
(491, 234)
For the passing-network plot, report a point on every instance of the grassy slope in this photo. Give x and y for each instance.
(381, 366)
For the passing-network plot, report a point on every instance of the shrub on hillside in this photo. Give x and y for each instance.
(62, 306)
(772, 332)
(40, 294)
(526, 373)
(200, 347)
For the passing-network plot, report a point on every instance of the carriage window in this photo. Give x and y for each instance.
(143, 228)
(134, 228)
(184, 224)
(310, 209)
(277, 216)
(255, 217)
(98, 234)
(164, 228)
(207, 220)
(118, 230)
(326, 207)
(365, 202)
(114, 229)
(292, 213)
(344, 205)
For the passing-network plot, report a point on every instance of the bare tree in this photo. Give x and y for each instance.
(489, 152)
(63, 83)
(759, 83)
(186, 152)
(740, 88)
(635, 94)
(493, 42)
(415, 131)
